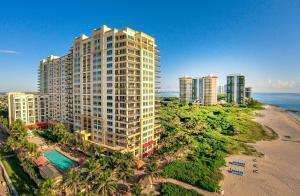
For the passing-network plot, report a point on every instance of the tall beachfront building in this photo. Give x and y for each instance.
(185, 89)
(31, 108)
(236, 88)
(199, 90)
(204, 90)
(56, 79)
(113, 92)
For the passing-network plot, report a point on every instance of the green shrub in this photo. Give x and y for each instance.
(170, 189)
(195, 173)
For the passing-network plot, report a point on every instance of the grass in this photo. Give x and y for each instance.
(170, 189)
(19, 178)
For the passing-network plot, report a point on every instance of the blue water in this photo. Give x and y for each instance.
(289, 101)
(169, 94)
(59, 160)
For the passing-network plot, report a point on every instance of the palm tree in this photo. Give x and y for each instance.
(106, 183)
(47, 188)
(152, 171)
(137, 189)
(72, 181)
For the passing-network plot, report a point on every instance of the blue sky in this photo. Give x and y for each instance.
(260, 39)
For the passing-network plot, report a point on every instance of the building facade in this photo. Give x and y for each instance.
(107, 86)
(248, 92)
(56, 80)
(31, 108)
(199, 90)
(236, 89)
(185, 89)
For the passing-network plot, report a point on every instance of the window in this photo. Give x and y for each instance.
(109, 71)
(109, 59)
(109, 65)
(109, 52)
(109, 45)
(110, 38)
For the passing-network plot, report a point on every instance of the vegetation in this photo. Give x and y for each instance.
(221, 97)
(20, 179)
(99, 176)
(170, 189)
(56, 134)
(3, 107)
(136, 190)
(208, 135)
(252, 103)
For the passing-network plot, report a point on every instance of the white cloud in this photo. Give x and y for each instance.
(278, 85)
(8, 52)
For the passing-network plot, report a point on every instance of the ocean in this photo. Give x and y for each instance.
(288, 101)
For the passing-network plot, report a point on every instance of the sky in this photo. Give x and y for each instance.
(260, 39)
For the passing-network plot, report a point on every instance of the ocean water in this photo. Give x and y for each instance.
(289, 101)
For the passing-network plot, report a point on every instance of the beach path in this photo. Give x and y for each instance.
(279, 168)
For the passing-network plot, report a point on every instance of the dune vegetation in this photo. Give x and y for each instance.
(205, 135)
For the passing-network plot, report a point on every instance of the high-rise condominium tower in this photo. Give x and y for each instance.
(110, 89)
(204, 90)
(56, 80)
(199, 90)
(236, 89)
(185, 89)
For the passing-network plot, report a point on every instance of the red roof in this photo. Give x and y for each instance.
(40, 161)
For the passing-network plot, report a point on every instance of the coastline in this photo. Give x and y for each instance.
(279, 168)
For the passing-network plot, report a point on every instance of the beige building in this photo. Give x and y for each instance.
(199, 90)
(210, 83)
(31, 108)
(114, 89)
(56, 80)
(185, 89)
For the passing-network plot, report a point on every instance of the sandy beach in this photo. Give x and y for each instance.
(279, 168)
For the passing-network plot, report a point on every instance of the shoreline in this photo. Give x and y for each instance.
(279, 168)
(288, 112)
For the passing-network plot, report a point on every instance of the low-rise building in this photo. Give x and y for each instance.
(31, 108)
(248, 92)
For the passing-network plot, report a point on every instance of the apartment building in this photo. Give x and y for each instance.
(114, 91)
(185, 89)
(236, 88)
(31, 108)
(248, 92)
(56, 80)
(199, 90)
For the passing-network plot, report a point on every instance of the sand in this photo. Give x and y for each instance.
(279, 168)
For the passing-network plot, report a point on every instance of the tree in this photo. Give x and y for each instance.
(105, 183)
(152, 171)
(47, 188)
(137, 189)
(60, 133)
(72, 181)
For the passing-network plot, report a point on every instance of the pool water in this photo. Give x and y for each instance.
(59, 160)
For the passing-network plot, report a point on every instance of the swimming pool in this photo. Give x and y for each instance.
(59, 160)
